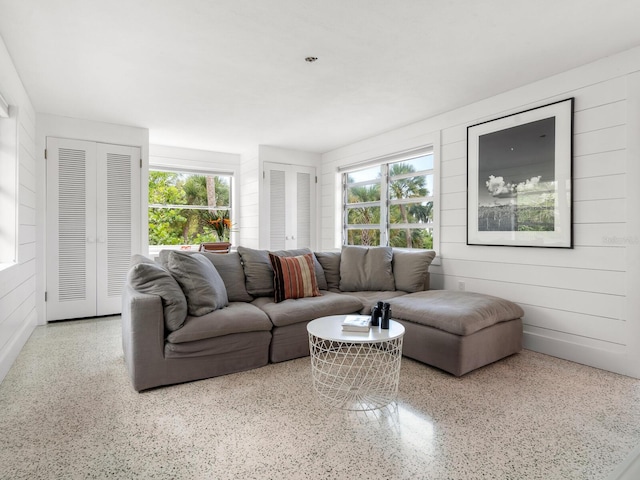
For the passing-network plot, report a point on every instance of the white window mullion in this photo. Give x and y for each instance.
(387, 205)
(384, 206)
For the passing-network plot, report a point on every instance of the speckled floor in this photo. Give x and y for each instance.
(67, 411)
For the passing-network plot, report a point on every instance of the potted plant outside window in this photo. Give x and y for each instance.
(220, 223)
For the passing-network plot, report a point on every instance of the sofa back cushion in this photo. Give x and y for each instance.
(258, 271)
(145, 276)
(366, 268)
(294, 277)
(411, 269)
(228, 265)
(330, 262)
(200, 281)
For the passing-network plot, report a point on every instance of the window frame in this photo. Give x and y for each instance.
(155, 249)
(384, 180)
(9, 181)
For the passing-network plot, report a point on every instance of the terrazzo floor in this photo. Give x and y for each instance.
(67, 411)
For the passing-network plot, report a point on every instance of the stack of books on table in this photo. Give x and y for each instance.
(356, 323)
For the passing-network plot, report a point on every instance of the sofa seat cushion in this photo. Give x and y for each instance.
(369, 299)
(460, 313)
(237, 317)
(236, 344)
(309, 308)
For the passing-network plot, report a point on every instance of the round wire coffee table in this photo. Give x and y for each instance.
(353, 370)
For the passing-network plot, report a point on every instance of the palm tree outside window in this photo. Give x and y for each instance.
(390, 204)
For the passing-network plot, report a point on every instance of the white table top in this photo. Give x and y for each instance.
(330, 328)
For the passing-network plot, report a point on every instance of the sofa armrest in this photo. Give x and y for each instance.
(143, 338)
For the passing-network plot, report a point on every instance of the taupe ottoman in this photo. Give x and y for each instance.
(458, 331)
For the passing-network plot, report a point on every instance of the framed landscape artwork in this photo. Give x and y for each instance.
(519, 179)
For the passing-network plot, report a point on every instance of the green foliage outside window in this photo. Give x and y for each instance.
(363, 208)
(181, 203)
(404, 188)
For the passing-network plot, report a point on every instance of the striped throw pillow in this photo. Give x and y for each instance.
(294, 277)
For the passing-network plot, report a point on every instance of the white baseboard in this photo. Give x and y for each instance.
(613, 361)
(12, 349)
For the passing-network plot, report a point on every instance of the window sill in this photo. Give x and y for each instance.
(7, 265)
(154, 250)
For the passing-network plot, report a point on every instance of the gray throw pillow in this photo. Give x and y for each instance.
(366, 269)
(411, 268)
(330, 262)
(163, 258)
(151, 278)
(258, 271)
(229, 266)
(137, 258)
(200, 282)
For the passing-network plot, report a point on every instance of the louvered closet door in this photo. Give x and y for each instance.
(118, 210)
(290, 199)
(71, 229)
(275, 178)
(93, 214)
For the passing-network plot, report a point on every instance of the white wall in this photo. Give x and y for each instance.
(18, 281)
(64, 127)
(580, 304)
(248, 225)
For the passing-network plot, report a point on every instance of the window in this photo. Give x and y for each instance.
(8, 184)
(390, 203)
(187, 208)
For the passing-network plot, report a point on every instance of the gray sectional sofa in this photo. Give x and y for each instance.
(189, 316)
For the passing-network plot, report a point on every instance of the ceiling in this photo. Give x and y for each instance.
(227, 75)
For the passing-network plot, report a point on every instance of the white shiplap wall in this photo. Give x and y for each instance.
(579, 303)
(18, 282)
(248, 225)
